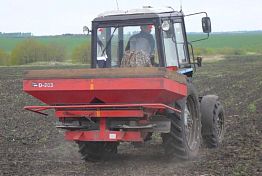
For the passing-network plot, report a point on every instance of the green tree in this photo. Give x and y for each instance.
(82, 54)
(54, 53)
(26, 51)
(31, 50)
(4, 58)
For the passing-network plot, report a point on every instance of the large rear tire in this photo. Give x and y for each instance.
(184, 139)
(95, 151)
(213, 117)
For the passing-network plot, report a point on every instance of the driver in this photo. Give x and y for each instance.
(142, 41)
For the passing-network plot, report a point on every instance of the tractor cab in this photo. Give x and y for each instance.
(144, 37)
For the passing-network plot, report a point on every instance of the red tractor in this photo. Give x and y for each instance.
(139, 83)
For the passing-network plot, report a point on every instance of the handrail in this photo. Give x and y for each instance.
(38, 109)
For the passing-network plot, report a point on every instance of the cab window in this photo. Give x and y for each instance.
(180, 43)
(170, 46)
(127, 46)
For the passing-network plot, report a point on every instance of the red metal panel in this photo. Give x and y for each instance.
(100, 113)
(103, 136)
(117, 90)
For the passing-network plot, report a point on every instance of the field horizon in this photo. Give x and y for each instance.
(219, 43)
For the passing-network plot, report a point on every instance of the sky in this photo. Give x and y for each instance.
(53, 17)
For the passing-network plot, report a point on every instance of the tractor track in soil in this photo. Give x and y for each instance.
(31, 145)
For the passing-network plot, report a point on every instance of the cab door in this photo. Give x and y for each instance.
(181, 44)
(175, 45)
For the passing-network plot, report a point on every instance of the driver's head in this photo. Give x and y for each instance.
(146, 28)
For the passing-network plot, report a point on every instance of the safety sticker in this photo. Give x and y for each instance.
(45, 84)
(112, 136)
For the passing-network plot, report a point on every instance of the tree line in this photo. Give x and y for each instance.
(31, 50)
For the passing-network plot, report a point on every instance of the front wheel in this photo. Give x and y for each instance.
(213, 117)
(184, 139)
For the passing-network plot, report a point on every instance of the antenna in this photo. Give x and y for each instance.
(171, 8)
(181, 5)
(117, 5)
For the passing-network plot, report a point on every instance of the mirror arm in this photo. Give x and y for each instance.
(200, 39)
(196, 14)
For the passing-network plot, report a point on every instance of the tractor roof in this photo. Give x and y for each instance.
(146, 12)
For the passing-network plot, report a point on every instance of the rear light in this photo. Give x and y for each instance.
(172, 68)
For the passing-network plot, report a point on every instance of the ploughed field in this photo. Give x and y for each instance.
(31, 145)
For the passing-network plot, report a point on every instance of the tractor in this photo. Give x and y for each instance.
(140, 83)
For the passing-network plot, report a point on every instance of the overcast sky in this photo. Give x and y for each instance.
(49, 17)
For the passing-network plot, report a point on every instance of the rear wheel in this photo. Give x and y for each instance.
(95, 151)
(183, 141)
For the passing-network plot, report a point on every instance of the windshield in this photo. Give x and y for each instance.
(128, 46)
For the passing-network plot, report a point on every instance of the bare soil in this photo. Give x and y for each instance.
(31, 145)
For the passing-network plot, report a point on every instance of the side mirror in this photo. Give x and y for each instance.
(86, 30)
(206, 24)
